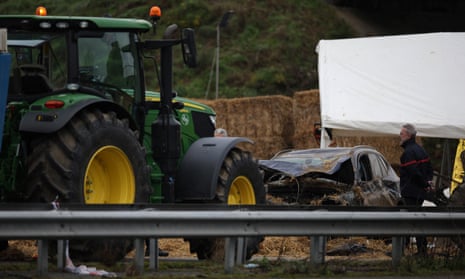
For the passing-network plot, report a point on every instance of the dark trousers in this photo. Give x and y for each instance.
(421, 240)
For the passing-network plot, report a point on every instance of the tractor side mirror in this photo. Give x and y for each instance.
(189, 50)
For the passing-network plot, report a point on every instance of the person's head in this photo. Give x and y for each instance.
(220, 132)
(407, 132)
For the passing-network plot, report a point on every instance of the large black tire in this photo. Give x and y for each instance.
(239, 183)
(95, 159)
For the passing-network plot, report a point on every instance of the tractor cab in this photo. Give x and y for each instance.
(48, 60)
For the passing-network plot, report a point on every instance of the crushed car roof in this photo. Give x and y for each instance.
(300, 162)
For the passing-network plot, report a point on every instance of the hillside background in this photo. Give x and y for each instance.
(267, 48)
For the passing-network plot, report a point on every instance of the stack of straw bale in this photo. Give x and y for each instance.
(267, 121)
(279, 122)
(306, 112)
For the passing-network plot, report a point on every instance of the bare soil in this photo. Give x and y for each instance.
(271, 247)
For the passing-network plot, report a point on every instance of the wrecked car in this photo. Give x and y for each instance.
(347, 176)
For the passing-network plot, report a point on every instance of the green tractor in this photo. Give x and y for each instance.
(81, 128)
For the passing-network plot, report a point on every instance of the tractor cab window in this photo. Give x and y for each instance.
(38, 63)
(107, 64)
(107, 58)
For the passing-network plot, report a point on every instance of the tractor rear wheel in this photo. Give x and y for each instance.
(239, 183)
(95, 159)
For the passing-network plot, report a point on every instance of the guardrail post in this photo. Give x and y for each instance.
(139, 256)
(241, 250)
(60, 254)
(317, 249)
(229, 254)
(397, 250)
(153, 256)
(42, 259)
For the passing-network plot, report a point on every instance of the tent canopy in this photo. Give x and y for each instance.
(371, 86)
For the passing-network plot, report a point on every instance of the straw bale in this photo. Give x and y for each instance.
(306, 111)
(258, 117)
(267, 120)
(220, 106)
(267, 147)
(264, 116)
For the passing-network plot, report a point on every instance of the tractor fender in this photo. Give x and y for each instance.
(46, 122)
(197, 176)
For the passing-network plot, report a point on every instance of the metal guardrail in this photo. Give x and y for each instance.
(232, 224)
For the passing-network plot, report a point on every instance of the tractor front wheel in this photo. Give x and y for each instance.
(239, 183)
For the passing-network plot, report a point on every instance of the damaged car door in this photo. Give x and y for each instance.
(375, 179)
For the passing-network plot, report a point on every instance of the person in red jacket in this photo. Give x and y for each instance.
(416, 175)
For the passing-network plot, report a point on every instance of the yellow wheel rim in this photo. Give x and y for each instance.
(109, 178)
(241, 192)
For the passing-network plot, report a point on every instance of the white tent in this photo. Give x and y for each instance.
(373, 85)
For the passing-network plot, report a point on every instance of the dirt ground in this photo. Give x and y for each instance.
(272, 247)
(294, 247)
(357, 255)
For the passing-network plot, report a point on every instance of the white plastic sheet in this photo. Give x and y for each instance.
(371, 86)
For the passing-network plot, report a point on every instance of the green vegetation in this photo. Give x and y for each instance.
(337, 268)
(263, 268)
(268, 47)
